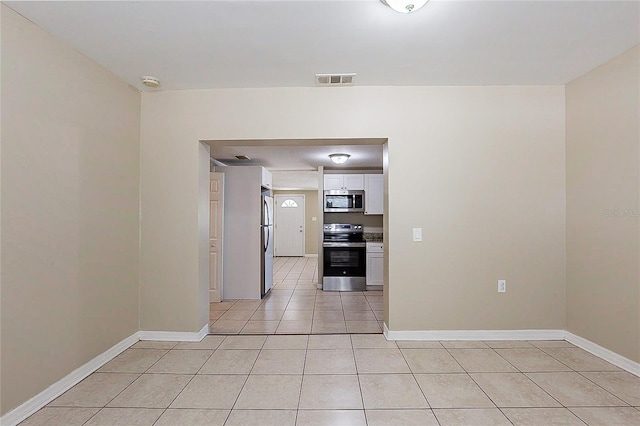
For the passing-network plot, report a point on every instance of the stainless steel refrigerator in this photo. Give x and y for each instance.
(266, 238)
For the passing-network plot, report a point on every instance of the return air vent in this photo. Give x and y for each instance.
(345, 79)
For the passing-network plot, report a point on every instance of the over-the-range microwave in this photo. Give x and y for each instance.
(337, 200)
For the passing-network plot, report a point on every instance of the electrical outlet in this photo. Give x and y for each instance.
(502, 286)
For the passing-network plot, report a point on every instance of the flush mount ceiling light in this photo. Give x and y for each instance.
(339, 158)
(150, 81)
(405, 6)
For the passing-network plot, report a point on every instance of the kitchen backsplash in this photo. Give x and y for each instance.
(354, 218)
(373, 236)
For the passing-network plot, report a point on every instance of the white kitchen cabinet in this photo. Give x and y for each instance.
(267, 178)
(333, 182)
(375, 264)
(373, 194)
(349, 182)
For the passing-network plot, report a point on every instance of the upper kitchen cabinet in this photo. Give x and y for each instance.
(267, 178)
(349, 182)
(373, 194)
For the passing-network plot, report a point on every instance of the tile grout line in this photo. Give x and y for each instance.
(413, 375)
(355, 363)
(528, 378)
(186, 384)
(126, 387)
(602, 387)
(245, 381)
(304, 366)
(474, 381)
(581, 375)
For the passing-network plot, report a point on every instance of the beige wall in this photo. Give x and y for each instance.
(310, 227)
(480, 169)
(603, 235)
(70, 173)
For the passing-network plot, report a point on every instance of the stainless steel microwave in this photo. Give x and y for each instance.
(343, 201)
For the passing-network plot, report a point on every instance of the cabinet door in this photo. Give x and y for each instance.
(333, 182)
(374, 194)
(375, 271)
(266, 178)
(354, 182)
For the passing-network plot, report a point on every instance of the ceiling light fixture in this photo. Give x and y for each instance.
(150, 81)
(339, 158)
(405, 6)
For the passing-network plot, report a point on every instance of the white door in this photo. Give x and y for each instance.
(289, 221)
(216, 219)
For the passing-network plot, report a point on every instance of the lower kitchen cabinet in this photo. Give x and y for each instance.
(375, 264)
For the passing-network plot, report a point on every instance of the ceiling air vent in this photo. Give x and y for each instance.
(345, 79)
(243, 157)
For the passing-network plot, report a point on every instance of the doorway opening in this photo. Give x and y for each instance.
(297, 303)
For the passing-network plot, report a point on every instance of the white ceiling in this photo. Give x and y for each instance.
(294, 163)
(299, 155)
(213, 44)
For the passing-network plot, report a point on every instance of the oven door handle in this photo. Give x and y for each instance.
(348, 245)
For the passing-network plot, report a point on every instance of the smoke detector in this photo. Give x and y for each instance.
(344, 79)
(150, 81)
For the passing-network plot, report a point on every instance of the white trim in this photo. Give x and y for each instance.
(604, 353)
(26, 409)
(175, 336)
(589, 346)
(311, 255)
(474, 334)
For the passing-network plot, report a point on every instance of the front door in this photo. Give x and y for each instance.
(289, 220)
(216, 209)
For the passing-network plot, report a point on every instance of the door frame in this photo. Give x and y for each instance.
(220, 215)
(276, 204)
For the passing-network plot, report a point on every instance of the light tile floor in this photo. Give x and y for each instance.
(295, 306)
(358, 379)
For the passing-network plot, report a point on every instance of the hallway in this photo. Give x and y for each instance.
(296, 306)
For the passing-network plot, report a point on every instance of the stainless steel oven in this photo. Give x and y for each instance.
(345, 255)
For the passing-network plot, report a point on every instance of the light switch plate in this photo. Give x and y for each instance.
(417, 234)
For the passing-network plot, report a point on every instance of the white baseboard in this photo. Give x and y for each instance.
(589, 346)
(311, 255)
(175, 336)
(474, 334)
(23, 411)
(604, 353)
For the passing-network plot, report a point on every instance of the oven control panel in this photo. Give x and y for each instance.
(342, 227)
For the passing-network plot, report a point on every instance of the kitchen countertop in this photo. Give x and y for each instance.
(373, 237)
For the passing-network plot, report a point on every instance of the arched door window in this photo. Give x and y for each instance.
(289, 203)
